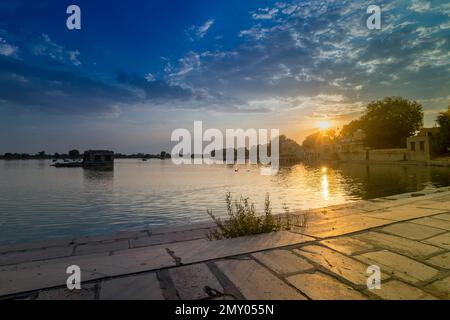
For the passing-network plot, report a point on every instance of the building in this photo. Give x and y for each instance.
(98, 159)
(352, 147)
(419, 146)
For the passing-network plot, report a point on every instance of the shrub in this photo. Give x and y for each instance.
(243, 220)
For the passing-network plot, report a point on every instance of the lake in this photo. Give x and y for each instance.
(38, 201)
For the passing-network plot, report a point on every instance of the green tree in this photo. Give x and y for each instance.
(441, 142)
(318, 139)
(388, 122)
(349, 129)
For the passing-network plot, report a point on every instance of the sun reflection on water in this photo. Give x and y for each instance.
(325, 188)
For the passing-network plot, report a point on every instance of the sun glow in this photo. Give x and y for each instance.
(325, 125)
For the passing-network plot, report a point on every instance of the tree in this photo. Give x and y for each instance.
(441, 142)
(74, 154)
(388, 122)
(318, 140)
(349, 129)
(287, 145)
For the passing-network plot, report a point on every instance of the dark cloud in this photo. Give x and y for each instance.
(27, 88)
(154, 90)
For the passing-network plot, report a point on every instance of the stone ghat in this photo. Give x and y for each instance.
(407, 236)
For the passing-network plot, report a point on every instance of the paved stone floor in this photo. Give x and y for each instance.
(407, 236)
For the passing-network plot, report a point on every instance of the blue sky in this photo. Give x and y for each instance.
(139, 69)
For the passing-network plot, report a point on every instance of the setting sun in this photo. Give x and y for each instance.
(325, 125)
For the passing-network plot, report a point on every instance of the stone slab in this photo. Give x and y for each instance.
(52, 273)
(169, 237)
(283, 261)
(204, 250)
(400, 266)
(397, 290)
(441, 261)
(256, 282)
(122, 235)
(398, 244)
(412, 231)
(348, 245)
(445, 216)
(405, 212)
(432, 222)
(180, 228)
(442, 241)
(440, 288)
(434, 205)
(342, 226)
(407, 199)
(87, 292)
(35, 255)
(342, 266)
(318, 286)
(91, 248)
(36, 245)
(192, 282)
(142, 287)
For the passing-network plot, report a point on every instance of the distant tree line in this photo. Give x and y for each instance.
(76, 154)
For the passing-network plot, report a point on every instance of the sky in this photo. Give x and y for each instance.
(139, 69)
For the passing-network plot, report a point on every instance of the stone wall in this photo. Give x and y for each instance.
(375, 155)
(388, 155)
(352, 156)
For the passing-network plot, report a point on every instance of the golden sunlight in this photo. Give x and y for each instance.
(325, 125)
(325, 190)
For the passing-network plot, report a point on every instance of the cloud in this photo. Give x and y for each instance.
(7, 49)
(156, 90)
(30, 89)
(150, 77)
(420, 6)
(73, 57)
(46, 47)
(199, 32)
(265, 13)
(203, 29)
(187, 64)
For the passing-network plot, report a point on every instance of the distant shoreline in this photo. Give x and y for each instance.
(25, 156)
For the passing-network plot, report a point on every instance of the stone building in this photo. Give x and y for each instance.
(419, 146)
(98, 159)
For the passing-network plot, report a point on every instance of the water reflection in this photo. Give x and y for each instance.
(92, 174)
(39, 201)
(325, 192)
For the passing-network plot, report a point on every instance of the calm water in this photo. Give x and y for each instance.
(38, 201)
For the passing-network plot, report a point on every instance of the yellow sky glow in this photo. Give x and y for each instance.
(325, 125)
